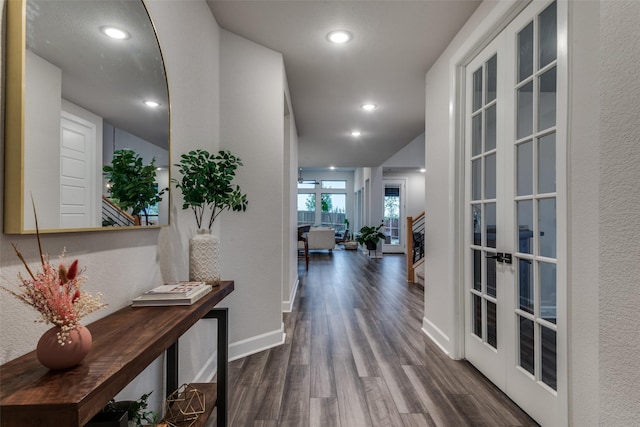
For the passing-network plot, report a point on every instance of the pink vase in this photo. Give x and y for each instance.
(55, 356)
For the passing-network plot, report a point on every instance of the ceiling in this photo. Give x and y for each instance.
(110, 78)
(394, 43)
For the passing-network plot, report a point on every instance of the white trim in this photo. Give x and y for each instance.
(287, 306)
(249, 346)
(240, 349)
(497, 19)
(436, 335)
(208, 370)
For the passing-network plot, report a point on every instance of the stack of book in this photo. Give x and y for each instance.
(173, 293)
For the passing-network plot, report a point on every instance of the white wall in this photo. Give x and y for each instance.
(42, 141)
(414, 197)
(290, 267)
(252, 127)
(583, 202)
(118, 139)
(441, 310)
(410, 156)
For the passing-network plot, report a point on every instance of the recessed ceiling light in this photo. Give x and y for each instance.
(368, 107)
(339, 36)
(115, 33)
(355, 133)
(152, 104)
(332, 168)
(423, 170)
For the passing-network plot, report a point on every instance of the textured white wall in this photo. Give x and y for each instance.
(619, 213)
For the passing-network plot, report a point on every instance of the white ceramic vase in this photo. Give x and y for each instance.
(204, 257)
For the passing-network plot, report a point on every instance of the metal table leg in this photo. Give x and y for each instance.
(222, 316)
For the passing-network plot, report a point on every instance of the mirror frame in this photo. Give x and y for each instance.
(14, 149)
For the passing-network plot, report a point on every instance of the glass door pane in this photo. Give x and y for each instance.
(483, 202)
(392, 214)
(535, 198)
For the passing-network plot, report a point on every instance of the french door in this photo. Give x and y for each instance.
(393, 214)
(515, 304)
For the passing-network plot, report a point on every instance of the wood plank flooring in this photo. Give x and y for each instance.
(355, 356)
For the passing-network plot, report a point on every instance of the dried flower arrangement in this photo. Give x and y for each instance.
(56, 292)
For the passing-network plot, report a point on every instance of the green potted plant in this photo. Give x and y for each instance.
(370, 236)
(206, 186)
(132, 184)
(131, 413)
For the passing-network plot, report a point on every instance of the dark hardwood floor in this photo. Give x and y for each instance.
(355, 356)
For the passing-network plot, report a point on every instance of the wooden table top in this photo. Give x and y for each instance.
(124, 344)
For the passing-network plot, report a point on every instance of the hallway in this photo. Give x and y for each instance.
(355, 356)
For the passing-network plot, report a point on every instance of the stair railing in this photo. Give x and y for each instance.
(113, 216)
(415, 244)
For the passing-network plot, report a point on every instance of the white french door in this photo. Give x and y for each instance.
(515, 279)
(394, 207)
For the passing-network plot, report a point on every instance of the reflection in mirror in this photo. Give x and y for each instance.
(85, 95)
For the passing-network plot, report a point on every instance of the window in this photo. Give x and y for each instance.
(306, 185)
(306, 209)
(334, 184)
(333, 210)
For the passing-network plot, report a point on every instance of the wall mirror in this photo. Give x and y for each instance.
(84, 79)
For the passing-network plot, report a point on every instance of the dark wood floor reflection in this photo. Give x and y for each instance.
(355, 356)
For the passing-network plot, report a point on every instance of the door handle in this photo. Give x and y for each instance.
(497, 256)
(501, 257)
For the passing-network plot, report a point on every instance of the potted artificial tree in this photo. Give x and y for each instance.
(370, 236)
(132, 184)
(206, 188)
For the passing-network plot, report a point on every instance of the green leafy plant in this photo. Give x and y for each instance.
(132, 184)
(206, 184)
(136, 410)
(370, 235)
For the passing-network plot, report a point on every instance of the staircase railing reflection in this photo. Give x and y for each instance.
(415, 244)
(113, 216)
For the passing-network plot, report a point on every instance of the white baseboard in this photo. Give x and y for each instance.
(287, 306)
(208, 371)
(256, 344)
(436, 335)
(240, 349)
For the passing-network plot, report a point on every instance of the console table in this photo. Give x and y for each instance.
(124, 344)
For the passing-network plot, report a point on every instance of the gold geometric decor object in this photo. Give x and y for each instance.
(184, 406)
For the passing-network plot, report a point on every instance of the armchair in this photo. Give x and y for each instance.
(320, 238)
